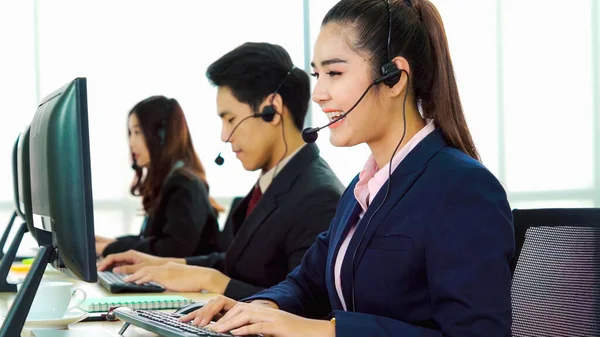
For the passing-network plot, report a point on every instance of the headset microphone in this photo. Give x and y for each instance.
(134, 165)
(219, 160)
(267, 115)
(310, 135)
(391, 77)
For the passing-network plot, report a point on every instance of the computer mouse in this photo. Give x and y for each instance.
(186, 309)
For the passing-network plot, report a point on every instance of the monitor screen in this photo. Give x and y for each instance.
(60, 179)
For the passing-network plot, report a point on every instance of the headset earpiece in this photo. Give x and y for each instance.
(390, 74)
(162, 128)
(162, 133)
(267, 114)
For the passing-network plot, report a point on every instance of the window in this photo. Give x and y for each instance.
(528, 75)
(548, 96)
(17, 85)
(144, 48)
(527, 86)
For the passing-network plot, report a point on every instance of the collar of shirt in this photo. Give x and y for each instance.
(371, 179)
(266, 179)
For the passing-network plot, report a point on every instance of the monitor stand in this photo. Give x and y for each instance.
(5, 234)
(17, 315)
(9, 258)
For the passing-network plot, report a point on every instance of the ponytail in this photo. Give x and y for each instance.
(442, 101)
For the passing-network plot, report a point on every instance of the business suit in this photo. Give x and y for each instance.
(183, 224)
(433, 262)
(270, 242)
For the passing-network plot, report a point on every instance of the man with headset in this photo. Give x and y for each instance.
(262, 100)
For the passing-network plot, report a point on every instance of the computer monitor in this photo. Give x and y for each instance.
(16, 183)
(23, 200)
(61, 180)
(60, 195)
(18, 215)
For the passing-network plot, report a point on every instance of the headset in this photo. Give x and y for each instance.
(267, 114)
(162, 128)
(162, 132)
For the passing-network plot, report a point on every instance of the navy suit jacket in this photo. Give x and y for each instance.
(434, 260)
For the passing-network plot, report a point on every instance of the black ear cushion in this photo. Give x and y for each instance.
(267, 114)
(161, 136)
(391, 74)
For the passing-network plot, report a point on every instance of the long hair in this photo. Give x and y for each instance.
(168, 140)
(419, 36)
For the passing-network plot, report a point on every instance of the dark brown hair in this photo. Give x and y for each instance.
(254, 70)
(168, 140)
(418, 35)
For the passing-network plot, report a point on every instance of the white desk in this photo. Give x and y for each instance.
(92, 329)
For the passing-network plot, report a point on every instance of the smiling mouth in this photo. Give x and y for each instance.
(335, 116)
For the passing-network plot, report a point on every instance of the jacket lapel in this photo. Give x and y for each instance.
(267, 204)
(403, 178)
(349, 211)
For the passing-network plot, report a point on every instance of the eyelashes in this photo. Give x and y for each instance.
(330, 73)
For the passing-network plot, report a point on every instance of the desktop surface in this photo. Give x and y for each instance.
(89, 329)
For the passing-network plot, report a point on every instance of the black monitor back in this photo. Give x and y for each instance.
(23, 196)
(16, 187)
(60, 175)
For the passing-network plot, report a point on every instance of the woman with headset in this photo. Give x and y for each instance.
(422, 238)
(181, 217)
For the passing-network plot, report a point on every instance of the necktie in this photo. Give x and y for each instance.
(256, 194)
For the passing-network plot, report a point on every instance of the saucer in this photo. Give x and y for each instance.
(71, 317)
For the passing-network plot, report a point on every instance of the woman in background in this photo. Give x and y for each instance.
(181, 217)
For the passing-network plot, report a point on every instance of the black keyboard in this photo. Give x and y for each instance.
(163, 324)
(115, 284)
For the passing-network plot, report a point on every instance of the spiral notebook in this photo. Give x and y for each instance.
(135, 302)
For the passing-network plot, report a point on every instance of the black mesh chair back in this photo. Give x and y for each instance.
(556, 272)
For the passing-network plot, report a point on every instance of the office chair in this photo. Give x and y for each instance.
(556, 272)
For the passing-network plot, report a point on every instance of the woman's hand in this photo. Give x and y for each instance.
(259, 317)
(211, 310)
(101, 243)
(214, 309)
(103, 239)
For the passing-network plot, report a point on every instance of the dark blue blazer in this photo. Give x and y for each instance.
(433, 262)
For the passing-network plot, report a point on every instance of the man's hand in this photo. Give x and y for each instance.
(182, 278)
(131, 261)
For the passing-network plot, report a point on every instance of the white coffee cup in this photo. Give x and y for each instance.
(54, 299)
